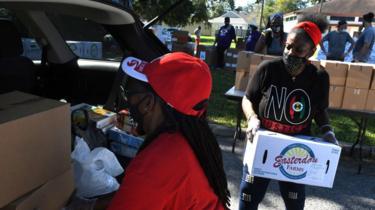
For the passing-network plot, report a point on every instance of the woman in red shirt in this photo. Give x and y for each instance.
(179, 166)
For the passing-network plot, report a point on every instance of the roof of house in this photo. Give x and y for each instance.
(343, 8)
(235, 18)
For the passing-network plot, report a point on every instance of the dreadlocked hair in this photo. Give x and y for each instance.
(203, 143)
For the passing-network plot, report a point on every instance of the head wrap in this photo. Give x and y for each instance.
(311, 29)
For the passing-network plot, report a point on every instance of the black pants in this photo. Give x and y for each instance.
(220, 57)
(253, 189)
(335, 58)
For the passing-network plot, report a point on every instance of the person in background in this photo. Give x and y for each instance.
(337, 42)
(272, 40)
(363, 46)
(223, 40)
(197, 33)
(252, 38)
(179, 165)
(284, 96)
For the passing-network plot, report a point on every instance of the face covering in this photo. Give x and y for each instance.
(137, 117)
(276, 29)
(293, 64)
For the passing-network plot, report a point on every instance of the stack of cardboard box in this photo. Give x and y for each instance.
(243, 70)
(337, 73)
(370, 104)
(357, 86)
(230, 59)
(207, 54)
(247, 64)
(350, 84)
(35, 149)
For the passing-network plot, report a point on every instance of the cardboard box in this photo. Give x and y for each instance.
(337, 72)
(298, 159)
(373, 80)
(355, 99)
(243, 60)
(256, 59)
(51, 196)
(269, 57)
(35, 143)
(181, 37)
(336, 96)
(230, 58)
(370, 103)
(242, 79)
(359, 76)
(207, 54)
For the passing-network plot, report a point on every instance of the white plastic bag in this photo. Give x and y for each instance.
(94, 171)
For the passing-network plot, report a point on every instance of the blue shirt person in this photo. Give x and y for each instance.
(223, 40)
(252, 38)
(337, 42)
(365, 42)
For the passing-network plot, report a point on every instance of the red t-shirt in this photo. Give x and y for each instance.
(165, 175)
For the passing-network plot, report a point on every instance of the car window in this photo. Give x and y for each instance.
(31, 49)
(86, 38)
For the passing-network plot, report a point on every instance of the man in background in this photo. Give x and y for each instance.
(223, 40)
(197, 33)
(337, 42)
(365, 42)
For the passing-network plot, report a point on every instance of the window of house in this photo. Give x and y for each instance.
(336, 18)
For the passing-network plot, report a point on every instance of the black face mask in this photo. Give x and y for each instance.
(294, 64)
(137, 116)
(276, 29)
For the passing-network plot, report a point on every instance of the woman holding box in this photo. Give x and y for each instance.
(284, 96)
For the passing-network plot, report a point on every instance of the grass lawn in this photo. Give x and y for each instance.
(209, 40)
(223, 111)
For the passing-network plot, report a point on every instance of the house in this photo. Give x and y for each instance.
(240, 21)
(336, 10)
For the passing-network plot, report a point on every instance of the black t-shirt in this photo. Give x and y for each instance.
(285, 104)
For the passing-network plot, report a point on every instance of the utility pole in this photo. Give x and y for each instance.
(261, 14)
(321, 6)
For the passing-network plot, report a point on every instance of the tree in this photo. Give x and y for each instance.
(217, 10)
(231, 4)
(191, 11)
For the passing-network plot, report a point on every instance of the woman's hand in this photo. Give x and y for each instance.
(329, 136)
(253, 125)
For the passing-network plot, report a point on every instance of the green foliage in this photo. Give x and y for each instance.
(284, 6)
(231, 4)
(191, 11)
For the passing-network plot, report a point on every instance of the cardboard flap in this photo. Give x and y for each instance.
(15, 105)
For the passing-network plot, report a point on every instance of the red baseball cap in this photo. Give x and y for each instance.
(181, 80)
